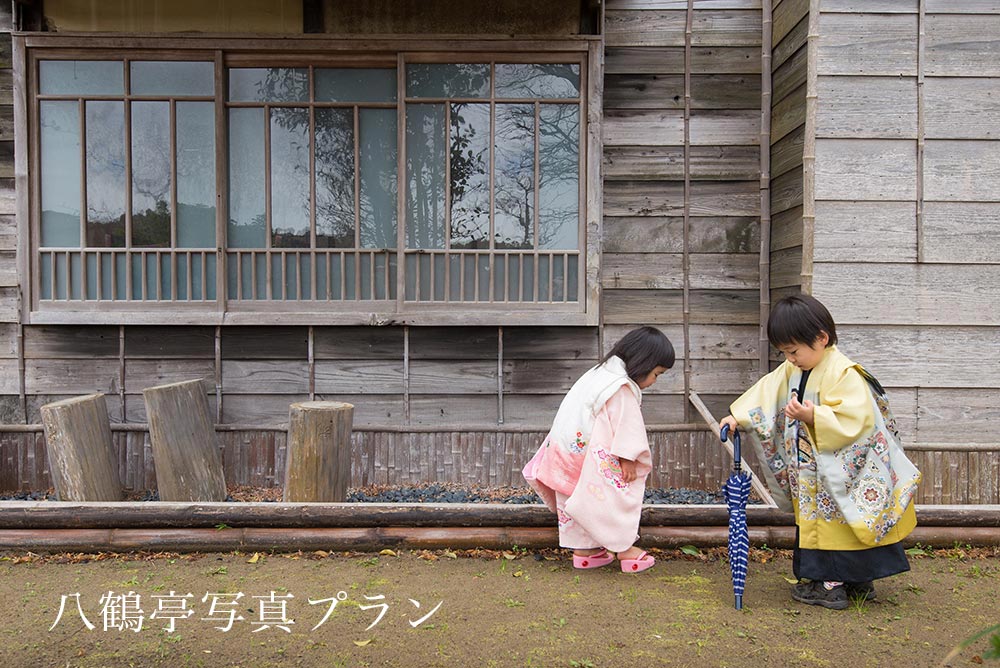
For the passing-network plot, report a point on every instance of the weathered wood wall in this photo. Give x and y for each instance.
(907, 228)
(10, 410)
(788, 129)
(682, 108)
(900, 148)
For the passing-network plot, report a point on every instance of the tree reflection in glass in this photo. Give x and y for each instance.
(290, 178)
(334, 178)
(425, 151)
(514, 187)
(559, 180)
(378, 178)
(546, 81)
(469, 174)
(151, 174)
(105, 174)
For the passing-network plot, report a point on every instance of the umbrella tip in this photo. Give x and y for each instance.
(739, 602)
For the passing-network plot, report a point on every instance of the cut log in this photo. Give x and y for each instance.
(82, 462)
(319, 451)
(185, 452)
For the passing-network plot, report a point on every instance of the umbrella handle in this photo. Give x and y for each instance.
(724, 435)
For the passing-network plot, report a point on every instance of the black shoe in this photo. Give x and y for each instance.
(864, 591)
(815, 593)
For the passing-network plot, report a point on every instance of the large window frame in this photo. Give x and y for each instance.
(308, 52)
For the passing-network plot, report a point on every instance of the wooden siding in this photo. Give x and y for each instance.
(907, 150)
(681, 191)
(789, 67)
(149, 16)
(9, 294)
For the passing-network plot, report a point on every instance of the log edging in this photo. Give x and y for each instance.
(56, 526)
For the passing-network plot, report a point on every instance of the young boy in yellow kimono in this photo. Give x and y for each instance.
(829, 449)
(591, 469)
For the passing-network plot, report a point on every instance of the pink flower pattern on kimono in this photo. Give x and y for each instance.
(578, 445)
(610, 469)
(564, 519)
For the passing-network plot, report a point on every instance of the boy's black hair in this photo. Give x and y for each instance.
(799, 319)
(643, 349)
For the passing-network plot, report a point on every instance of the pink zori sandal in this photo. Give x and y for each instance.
(595, 560)
(639, 564)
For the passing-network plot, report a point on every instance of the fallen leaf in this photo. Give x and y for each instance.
(792, 581)
(254, 559)
(449, 554)
(362, 643)
(509, 555)
(518, 574)
(321, 553)
(387, 553)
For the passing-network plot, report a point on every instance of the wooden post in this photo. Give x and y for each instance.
(319, 451)
(78, 441)
(185, 452)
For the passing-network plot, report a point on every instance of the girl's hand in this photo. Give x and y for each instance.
(729, 420)
(802, 412)
(628, 469)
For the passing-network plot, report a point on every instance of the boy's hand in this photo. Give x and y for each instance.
(729, 420)
(802, 412)
(628, 469)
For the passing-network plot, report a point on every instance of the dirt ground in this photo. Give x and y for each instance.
(478, 608)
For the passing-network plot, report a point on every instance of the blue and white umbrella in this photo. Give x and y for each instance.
(736, 492)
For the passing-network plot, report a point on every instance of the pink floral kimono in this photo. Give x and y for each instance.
(576, 471)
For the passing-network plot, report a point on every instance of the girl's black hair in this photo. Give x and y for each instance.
(643, 349)
(799, 319)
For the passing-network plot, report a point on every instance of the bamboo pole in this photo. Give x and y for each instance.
(755, 482)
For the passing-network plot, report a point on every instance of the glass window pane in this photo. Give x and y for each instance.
(195, 174)
(335, 178)
(60, 170)
(355, 85)
(547, 81)
(559, 176)
(425, 146)
(172, 78)
(514, 185)
(271, 84)
(105, 174)
(469, 149)
(378, 178)
(449, 80)
(151, 174)
(81, 77)
(247, 223)
(290, 178)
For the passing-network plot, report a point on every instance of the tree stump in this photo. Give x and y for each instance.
(185, 452)
(319, 451)
(82, 461)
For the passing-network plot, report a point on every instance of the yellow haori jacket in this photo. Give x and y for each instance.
(846, 477)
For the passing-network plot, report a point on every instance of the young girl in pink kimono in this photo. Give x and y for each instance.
(591, 469)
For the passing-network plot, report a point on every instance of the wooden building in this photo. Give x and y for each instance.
(444, 212)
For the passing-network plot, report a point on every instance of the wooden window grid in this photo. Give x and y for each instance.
(175, 284)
